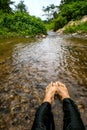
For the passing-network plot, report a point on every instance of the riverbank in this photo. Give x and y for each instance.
(18, 36)
(75, 28)
(20, 24)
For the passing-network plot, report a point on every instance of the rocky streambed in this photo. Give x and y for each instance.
(27, 67)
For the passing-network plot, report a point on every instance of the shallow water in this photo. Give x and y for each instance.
(27, 67)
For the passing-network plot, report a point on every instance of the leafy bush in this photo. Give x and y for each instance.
(50, 25)
(68, 10)
(70, 29)
(22, 24)
(82, 27)
(59, 22)
(74, 9)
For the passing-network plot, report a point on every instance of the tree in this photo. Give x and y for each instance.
(70, 1)
(59, 22)
(50, 11)
(73, 9)
(66, 1)
(21, 7)
(47, 10)
(5, 5)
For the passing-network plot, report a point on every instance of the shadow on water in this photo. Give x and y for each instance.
(27, 67)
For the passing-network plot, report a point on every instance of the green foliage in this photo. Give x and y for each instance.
(59, 22)
(5, 5)
(82, 27)
(74, 10)
(70, 29)
(21, 7)
(50, 11)
(69, 10)
(21, 24)
(69, 1)
(50, 25)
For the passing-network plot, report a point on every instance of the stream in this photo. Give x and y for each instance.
(28, 66)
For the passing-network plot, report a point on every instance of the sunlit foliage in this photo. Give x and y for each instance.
(69, 10)
(21, 24)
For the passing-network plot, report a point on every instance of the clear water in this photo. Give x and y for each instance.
(27, 67)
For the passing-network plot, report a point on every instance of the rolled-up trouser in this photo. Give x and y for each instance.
(44, 117)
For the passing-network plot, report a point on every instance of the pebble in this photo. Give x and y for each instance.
(81, 108)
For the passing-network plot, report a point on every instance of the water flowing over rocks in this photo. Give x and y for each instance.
(27, 68)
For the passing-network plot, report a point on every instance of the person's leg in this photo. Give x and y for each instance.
(72, 119)
(44, 117)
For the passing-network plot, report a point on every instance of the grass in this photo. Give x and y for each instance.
(49, 26)
(81, 27)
